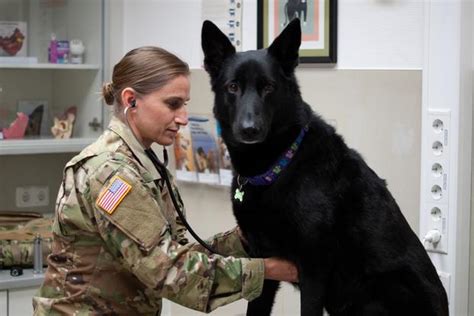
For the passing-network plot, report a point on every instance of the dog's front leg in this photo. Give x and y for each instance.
(312, 291)
(262, 305)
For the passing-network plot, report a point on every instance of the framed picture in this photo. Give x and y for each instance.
(318, 26)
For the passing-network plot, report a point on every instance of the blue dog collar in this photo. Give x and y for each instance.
(272, 174)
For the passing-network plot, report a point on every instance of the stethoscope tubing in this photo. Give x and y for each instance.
(162, 170)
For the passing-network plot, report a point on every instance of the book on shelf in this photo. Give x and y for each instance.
(183, 153)
(204, 149)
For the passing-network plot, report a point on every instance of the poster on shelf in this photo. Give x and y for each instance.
(183, 154)
(38, 114)
(204, 149)
(13, 39)
(225, 165)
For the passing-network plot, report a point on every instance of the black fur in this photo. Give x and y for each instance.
(328, 211)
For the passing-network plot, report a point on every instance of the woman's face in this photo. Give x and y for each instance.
(159, 115)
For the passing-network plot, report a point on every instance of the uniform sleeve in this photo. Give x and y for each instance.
(137, 233)
(226, 244)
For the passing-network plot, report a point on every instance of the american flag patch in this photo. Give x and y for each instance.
(111, 197)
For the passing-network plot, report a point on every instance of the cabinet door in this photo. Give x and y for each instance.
(20, 301)
(3, 302)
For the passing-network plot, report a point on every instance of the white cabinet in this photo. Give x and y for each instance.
(3, 302)
(16, 293)
(20, 301)
(57, 86)
(17, 302)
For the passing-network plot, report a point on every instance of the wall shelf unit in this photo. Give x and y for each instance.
(31, 78)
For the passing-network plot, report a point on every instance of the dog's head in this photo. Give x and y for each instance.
(251, 87)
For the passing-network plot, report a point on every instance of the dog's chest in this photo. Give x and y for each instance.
(262, 214)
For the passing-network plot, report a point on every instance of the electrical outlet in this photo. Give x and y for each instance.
(436, 191)
(32, 196)
(437, 221)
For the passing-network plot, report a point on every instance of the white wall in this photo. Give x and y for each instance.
(372, 34)
(447, 86)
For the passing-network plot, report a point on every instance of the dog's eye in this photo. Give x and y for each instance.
(233, 88)
(268, 88)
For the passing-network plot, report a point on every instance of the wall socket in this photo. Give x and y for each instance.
(32, 196)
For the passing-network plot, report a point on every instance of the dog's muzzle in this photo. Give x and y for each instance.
(250, 134)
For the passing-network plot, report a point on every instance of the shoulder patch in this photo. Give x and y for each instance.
(112, 195)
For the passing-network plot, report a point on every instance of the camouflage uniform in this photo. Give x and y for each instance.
(17, 242)
(124, 262)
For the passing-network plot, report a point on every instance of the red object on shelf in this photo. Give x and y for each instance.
(17, 127)
(13, 43)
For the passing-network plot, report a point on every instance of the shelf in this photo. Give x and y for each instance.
(191, 183)
(43, 146)
(51, 66)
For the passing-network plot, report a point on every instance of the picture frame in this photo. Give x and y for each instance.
(318, 25)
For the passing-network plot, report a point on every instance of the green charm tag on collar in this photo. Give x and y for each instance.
(239, 195)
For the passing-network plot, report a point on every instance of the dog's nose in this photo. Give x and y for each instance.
(250, 132)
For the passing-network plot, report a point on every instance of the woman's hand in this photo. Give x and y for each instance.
(280, 270)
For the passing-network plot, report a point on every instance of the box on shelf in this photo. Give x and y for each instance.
(13, 39)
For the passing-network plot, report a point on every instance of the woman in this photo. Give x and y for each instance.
(118, 247)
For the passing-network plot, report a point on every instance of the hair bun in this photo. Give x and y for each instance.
(108, 93)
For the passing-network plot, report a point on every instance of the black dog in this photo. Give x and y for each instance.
(317, 204)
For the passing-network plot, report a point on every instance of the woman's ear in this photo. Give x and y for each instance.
(128, 97)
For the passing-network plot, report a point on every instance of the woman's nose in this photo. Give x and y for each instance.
(181, 117)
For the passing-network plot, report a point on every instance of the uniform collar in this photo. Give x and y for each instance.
(121, 129)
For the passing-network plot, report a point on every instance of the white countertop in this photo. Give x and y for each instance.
(27, 279)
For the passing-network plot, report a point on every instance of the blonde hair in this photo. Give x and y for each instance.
(144, 69)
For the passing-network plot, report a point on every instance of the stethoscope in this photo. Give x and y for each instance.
(161, 168)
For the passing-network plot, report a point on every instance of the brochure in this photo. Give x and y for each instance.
(225, 165)
(183, 154)
(204, 149)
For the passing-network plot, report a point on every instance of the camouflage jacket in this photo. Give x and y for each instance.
(17, 242)
(122, 256)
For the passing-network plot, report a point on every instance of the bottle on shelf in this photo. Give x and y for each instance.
(53, 50)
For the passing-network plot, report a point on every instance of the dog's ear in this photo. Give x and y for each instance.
(286, 46)
(216, 47)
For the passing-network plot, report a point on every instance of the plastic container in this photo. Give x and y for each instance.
(53, 50)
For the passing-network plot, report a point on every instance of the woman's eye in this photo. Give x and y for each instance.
(175, 104)
(233, 88)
